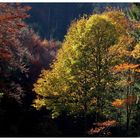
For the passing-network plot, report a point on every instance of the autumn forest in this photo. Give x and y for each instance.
(70, 70)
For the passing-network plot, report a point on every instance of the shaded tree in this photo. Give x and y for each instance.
(13, 56)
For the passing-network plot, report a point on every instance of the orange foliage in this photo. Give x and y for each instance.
(101, 126)
(107, 123)
(124, 67)
(137, 70)
(119, 103)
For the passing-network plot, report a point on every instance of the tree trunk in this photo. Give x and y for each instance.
(85, 120)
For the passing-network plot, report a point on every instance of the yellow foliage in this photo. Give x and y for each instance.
(55, 93)
(91, 47)
(121, 22)
(118, 19)
(38, 103)
(136, 52)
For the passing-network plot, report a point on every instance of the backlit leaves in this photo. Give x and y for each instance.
(72, 81)
(136, 52)
(92, 63)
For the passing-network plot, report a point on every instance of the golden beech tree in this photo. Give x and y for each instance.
(90, 67)
(80, 77)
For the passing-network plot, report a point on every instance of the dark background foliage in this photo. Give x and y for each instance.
(52, 20)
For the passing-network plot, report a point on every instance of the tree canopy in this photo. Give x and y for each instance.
(81, 76)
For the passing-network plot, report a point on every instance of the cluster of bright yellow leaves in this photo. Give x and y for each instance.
(136, 52)
(38, 103)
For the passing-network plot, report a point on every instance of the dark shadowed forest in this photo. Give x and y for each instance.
(69, 70)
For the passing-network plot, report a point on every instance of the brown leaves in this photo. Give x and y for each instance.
(130, 100)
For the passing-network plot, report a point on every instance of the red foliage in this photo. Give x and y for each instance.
(5, 54)
(11, 22)
(12, 52)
